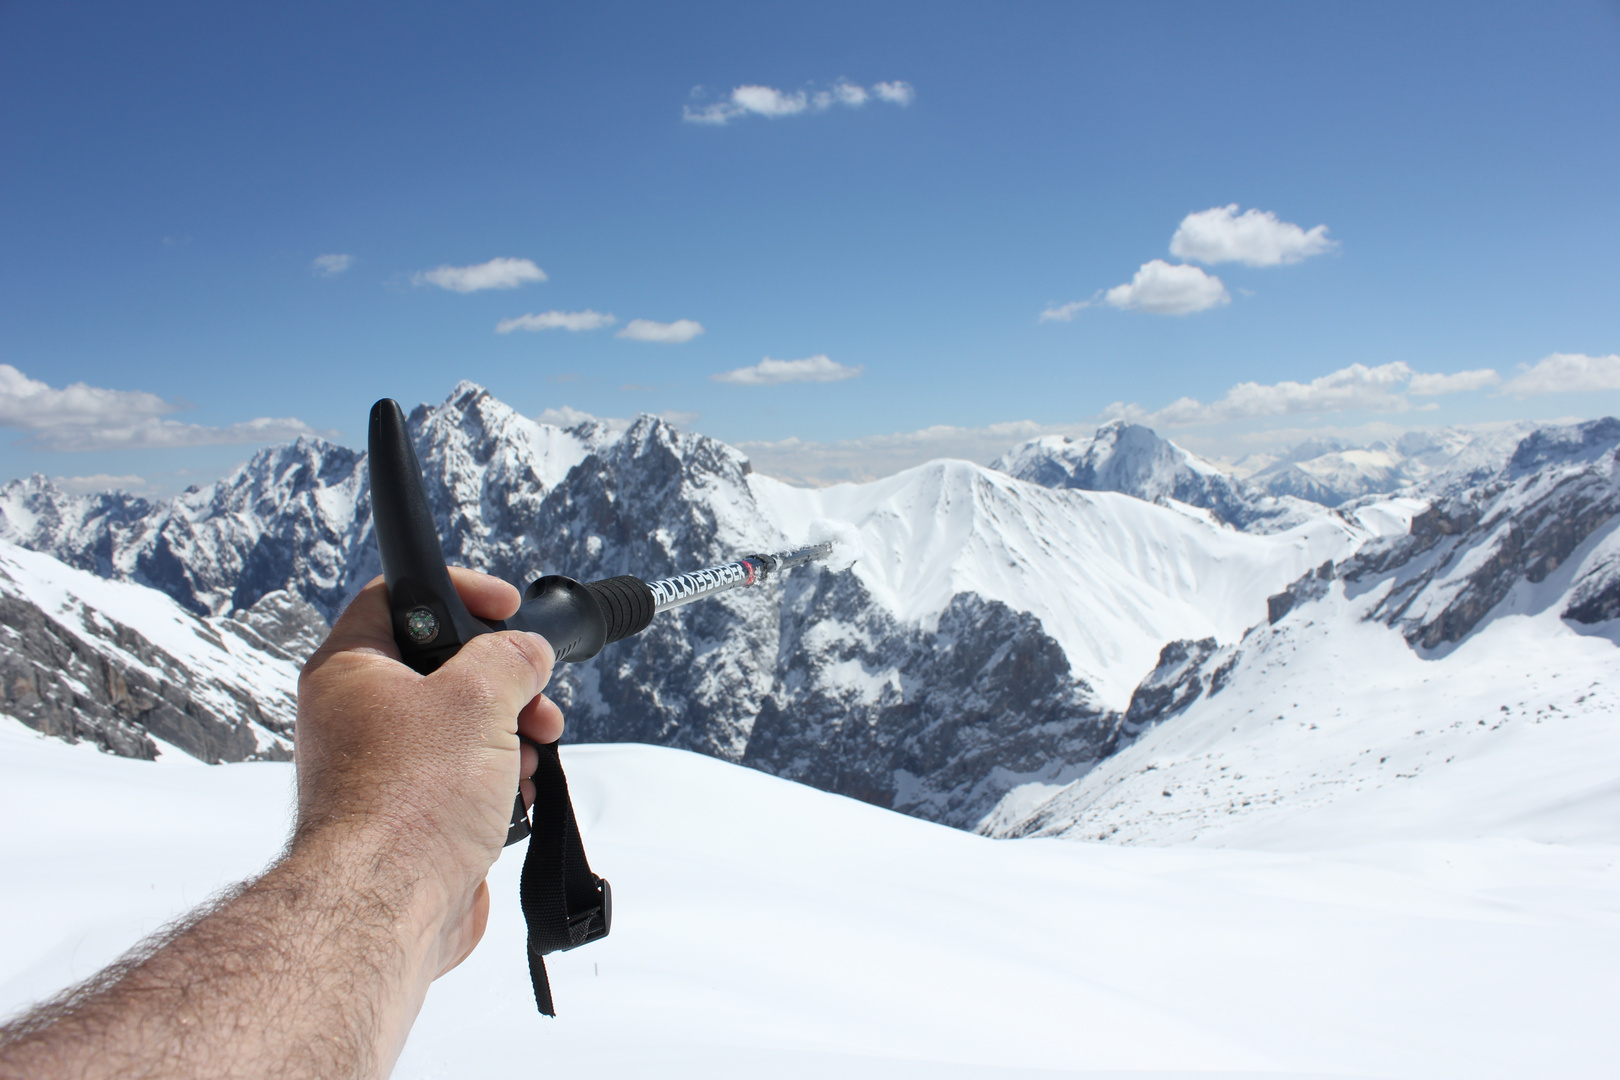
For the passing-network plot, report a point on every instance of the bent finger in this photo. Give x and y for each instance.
(486, 597)
(541, 720)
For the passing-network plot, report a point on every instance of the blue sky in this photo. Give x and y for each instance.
(172, 172)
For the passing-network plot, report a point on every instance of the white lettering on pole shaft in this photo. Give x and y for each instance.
(685, 586)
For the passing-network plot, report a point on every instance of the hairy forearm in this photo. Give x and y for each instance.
(316, 969)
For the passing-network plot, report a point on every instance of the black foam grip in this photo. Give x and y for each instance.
(627, 603)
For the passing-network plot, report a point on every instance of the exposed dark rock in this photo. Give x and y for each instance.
(286, 621)
(1176, 682)
(1312, 586)
(938, 724)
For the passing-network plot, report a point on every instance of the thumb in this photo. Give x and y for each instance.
(497, 674)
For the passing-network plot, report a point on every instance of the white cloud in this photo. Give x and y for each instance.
(1355, 387)
(896, 93)
(844, 94)
(31, 405)
(82, 417)
(1254, 238)
(1433, 385)
(665, 333)
(1165, 289)
(1566, 373)
(495, 274)
(770, 102)
(557, 320)
(768, 372)
(1065, 312)
(331, 265)
(1385, 388)
(90, 485)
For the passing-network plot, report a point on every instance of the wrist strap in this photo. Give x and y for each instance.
(564, 904)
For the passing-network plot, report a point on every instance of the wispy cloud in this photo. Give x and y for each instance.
(89, 485)
(767, 101)
(768, 372)
(557, 320)
(83, 417)
(664, 333)
(896, 93)
(1565, 373)
(331, 265)
(1162, 288)
(1254, 238)
(1066, 312)
(495, 274)
(1385, 388)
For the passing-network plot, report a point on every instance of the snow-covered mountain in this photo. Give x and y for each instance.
(992, 631)
(1134, 460)
(989, 632)
(1486, 633)
(995, 632)
(1268, 492)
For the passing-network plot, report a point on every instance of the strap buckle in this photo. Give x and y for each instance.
(593, 923)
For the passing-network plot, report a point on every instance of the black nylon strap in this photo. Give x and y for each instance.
(564, 904)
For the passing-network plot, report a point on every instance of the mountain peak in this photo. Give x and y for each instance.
(1565, 444)
(1135, 460)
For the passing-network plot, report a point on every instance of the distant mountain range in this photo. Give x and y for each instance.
(1267, 492)
(1004, 627)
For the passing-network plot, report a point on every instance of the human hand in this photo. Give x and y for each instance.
(415, 774)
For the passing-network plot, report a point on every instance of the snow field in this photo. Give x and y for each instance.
(766, 929)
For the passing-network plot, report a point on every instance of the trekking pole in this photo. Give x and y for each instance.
(564, 904)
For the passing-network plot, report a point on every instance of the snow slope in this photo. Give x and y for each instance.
(1333, 729)
(1112, 578)
(766, 929)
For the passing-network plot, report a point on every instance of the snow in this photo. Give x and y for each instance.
(1112, 578)
(766, 929)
